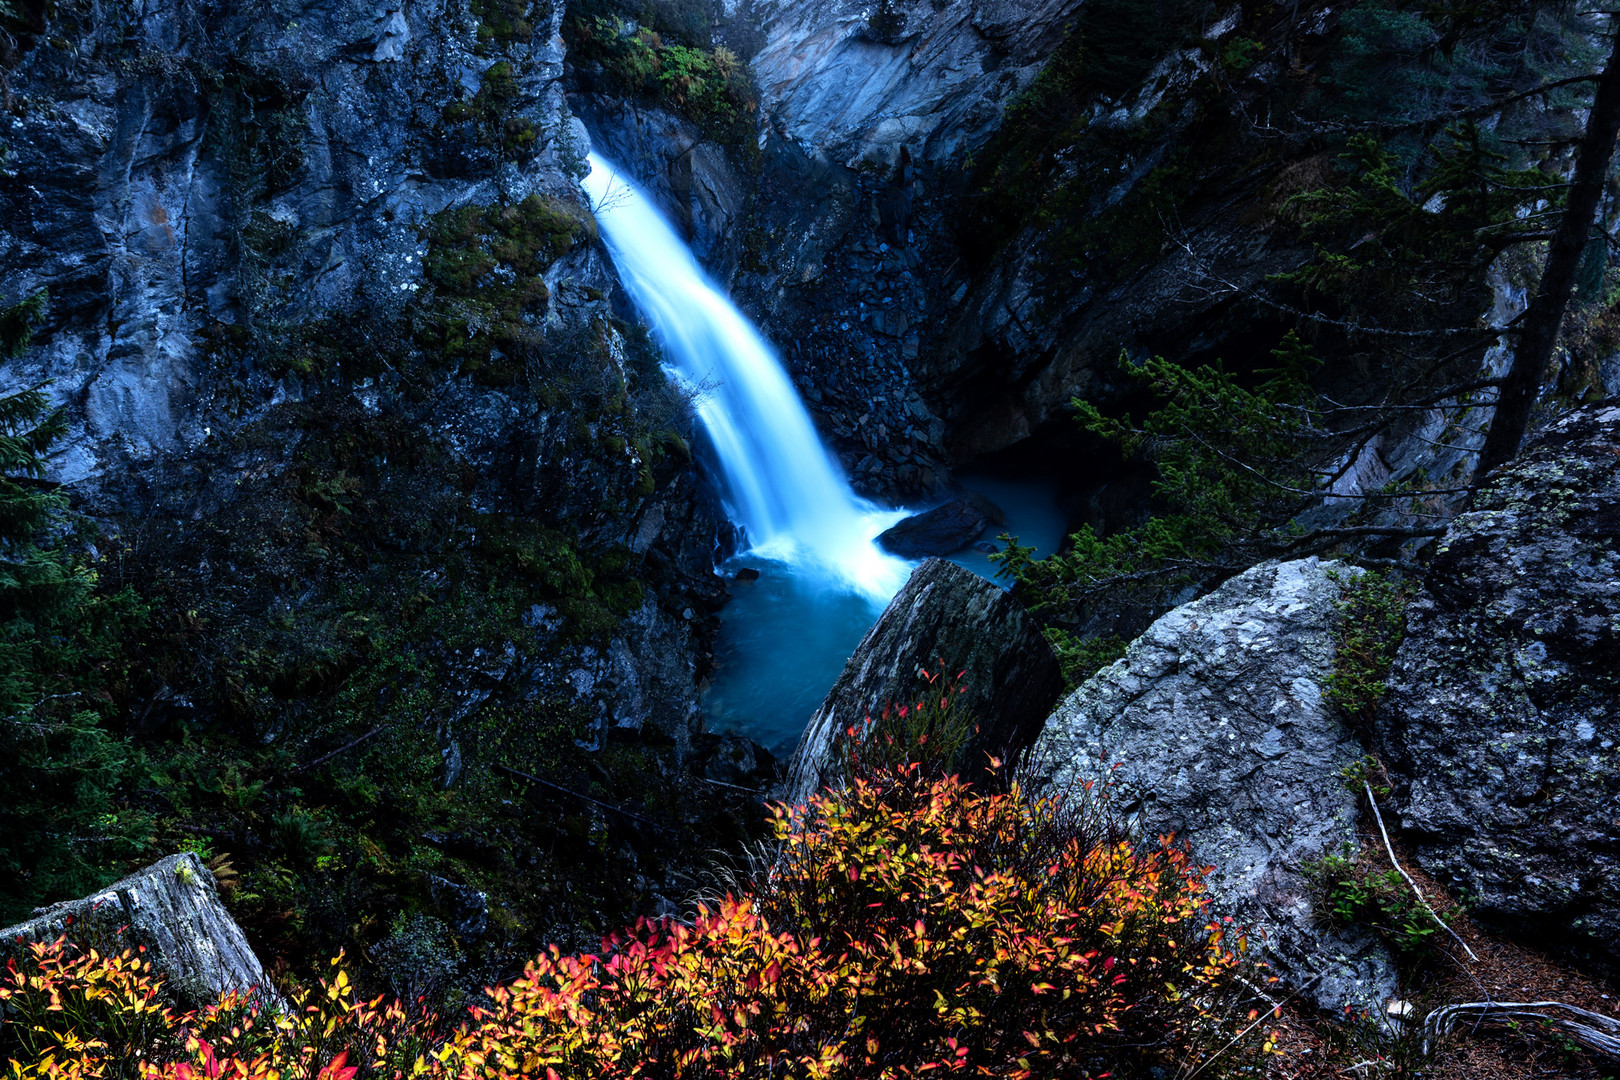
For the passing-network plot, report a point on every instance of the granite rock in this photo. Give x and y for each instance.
(1214, 727)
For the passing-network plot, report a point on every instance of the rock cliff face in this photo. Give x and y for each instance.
(246, 221)
(172, 908)
(946, 620)
(355, 399)
(878, 85)
(1216, 721)
(848, 251)
(942, 308)
(179, 174)
(694, 180)
(1502, 721)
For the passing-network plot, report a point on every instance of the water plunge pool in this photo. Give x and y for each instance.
(784, 638)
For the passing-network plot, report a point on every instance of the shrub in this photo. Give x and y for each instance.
(63, 773)
(934, 732)
(1372, 622)
(1082, 657)
(710, 86)
(911, 924)
(1353, 894)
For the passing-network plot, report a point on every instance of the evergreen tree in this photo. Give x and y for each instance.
(63, 827)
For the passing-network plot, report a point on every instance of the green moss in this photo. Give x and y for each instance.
(486, 264)
(492, 112)
(505, 22)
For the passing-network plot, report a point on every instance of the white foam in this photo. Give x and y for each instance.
(782, 486)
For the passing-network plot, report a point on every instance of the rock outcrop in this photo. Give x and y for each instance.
(172, 908)
(1504, 710)
(948, 527)
(173, 191)
(690, 176)
(867, 83)
(948, 617)
(1216, 722)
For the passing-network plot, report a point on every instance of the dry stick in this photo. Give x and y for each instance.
(1272, 1012)
(1415, 890)
(1598, 1033)
(583, 797)
(350, 745)
(733, 787)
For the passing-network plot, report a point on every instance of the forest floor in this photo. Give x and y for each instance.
(1503, 970)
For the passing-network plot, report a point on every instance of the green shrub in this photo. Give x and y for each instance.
(708, 85)
(1082, 657)
(1352, 894)
(1231, 456)
(1372, 623)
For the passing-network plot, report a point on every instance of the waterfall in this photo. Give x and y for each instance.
(781, 485)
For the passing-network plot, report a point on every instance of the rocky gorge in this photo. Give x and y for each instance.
(404, 549)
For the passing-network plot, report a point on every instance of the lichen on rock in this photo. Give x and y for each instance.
(1214, 727)
(1501, 723)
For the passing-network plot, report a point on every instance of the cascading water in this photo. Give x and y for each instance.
(782, 486)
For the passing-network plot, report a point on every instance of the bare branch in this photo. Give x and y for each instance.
(583, 797)
(1417, 892)
(1596, 1032)
(350, 745)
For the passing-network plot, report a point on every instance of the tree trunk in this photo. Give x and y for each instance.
(1546, 312)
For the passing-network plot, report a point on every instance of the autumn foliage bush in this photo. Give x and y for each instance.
(910, 925)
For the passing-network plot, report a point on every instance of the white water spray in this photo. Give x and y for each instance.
(782, 485)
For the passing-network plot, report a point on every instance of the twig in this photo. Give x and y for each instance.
(1388, 847)
(733, 787)
(350, 745)
(1363, 530)
(1272, 1012)
(1598, 1033)
(583, 797)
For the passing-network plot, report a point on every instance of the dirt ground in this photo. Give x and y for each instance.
(1312, 1048)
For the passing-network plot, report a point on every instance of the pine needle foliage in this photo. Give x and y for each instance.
(1234, 459)
(62, 830)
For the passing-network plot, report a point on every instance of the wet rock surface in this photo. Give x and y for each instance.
(691, 177)
(945, 620)
(1501, 723)
(172, 908)
(946, 528)
(1216, 720)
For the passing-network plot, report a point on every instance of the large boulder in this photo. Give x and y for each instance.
(1504, 710)
(944, 613)
(948, 527)
(173, 909)
(1214, 727)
